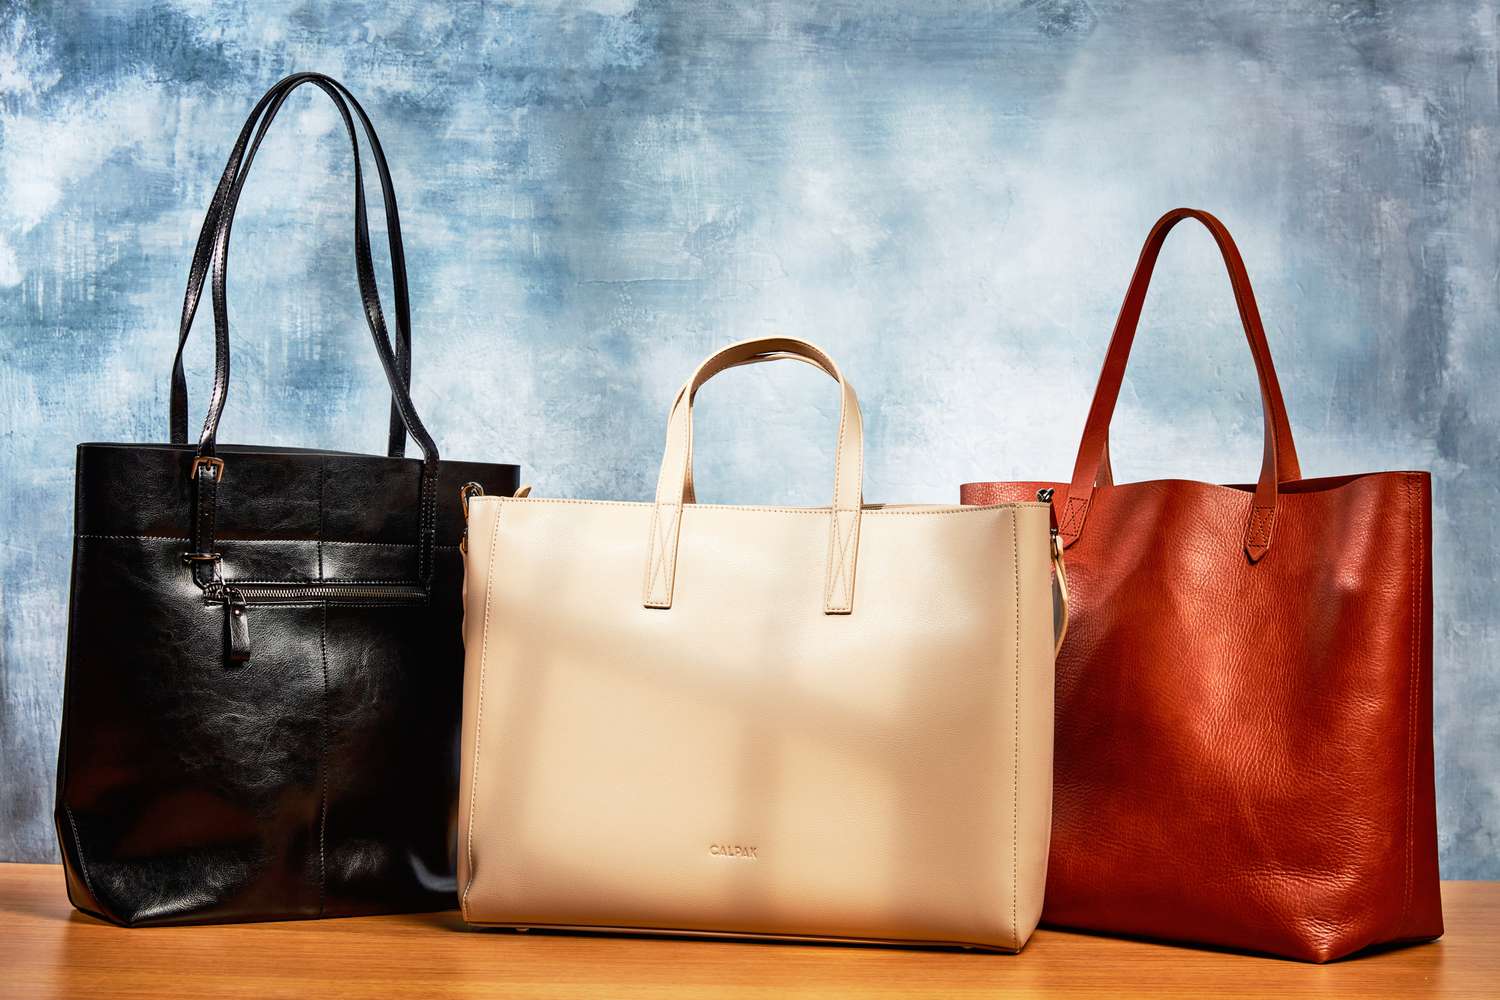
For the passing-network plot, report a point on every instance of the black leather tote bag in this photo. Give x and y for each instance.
(265, 663)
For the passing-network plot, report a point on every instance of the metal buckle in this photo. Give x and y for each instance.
(217, 580)
(466, 492)
(216, 464)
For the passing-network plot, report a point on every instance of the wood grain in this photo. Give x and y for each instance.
(48, 950)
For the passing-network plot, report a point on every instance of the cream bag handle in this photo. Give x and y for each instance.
(688, 494)
(673, 485)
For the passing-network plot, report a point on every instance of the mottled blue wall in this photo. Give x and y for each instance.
(948, 195)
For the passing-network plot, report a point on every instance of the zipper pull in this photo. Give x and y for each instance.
(236, 627)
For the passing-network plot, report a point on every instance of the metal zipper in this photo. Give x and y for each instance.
(237, 599)
(268, 593)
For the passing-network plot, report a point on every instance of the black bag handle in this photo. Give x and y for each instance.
(207, 469)
(364, 264)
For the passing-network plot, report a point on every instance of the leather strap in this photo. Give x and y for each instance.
(1279, 461)
(204, 558)
(672, 485)
(397, 369)
(689, 494)
(364, 264)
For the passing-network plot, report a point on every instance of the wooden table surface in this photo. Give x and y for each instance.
(48, 950)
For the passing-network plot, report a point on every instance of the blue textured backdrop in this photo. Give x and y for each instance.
(948, 195)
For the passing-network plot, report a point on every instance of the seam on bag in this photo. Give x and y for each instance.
(323, 774)
(83, 865)
(1015, 796)
(939, 510)
(484, 657)
(419, 603)
(323, 715)
(80, 494)
(252, 541)
(1414, 573)
(322, 487)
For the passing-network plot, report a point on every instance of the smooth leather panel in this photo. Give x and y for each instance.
(888, 770)
(193, 791)
(129, 489)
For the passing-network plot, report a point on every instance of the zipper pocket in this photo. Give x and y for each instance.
(238, 598)
(282, 593)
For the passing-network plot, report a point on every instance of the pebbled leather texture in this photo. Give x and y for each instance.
(264, 664)
(732, 752)
(1244, 742)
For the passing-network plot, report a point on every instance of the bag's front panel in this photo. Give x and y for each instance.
(394, 683)
(312, 779)
(743, 762)
(1243, 750)
(189, 789)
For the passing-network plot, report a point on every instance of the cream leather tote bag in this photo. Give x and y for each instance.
(825, 723)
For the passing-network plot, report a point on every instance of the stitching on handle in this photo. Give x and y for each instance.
(663, 562)
(1262, 519)
(838, 572)
(1073, 512)
(840, 536)
(650, 575)
(659, 551)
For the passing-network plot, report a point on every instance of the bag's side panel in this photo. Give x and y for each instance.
(75, 863)
(394, 692)
(478, 563)
(1423, 916)
(1035, 684)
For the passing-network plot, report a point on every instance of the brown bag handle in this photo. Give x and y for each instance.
(1279, 463)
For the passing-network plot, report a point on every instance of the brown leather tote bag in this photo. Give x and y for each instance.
(1244, 701)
